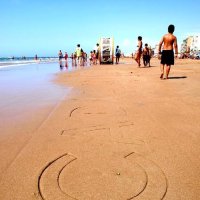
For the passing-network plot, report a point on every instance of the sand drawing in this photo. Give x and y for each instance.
(147, 180)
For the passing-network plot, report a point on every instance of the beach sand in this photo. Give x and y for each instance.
(122, 134)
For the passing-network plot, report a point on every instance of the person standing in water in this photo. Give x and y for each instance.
(167, 55)
(60, 55)
(66, 56)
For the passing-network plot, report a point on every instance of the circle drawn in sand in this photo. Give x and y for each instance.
(99, 180)
(48, 180)
(131, 177)
(157, 183)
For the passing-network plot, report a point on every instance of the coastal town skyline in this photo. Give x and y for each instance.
(43, 28)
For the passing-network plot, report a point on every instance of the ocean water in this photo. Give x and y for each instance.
(28, 87)
(5, 61)
(28, 96)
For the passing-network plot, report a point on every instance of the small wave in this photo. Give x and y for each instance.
(11, 63)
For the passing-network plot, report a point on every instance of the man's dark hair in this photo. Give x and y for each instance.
(171, 28)
(78, 45)
(139, 38)
(146, 45)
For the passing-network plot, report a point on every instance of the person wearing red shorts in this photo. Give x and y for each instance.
(139, 51)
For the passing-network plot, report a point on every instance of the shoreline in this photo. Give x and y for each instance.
(119, 123)
(14, 63)
(28, 95)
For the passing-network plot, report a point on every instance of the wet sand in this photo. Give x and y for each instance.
(27, 98)
(121, 134)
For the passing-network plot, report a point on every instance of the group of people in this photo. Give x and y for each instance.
(60, 55)
(145, 53)
(78, 57)
(94, 55)
(168, 43)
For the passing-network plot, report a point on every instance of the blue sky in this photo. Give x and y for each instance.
(43, 26)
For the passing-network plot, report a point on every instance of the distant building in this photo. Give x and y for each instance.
(191, 44)
(154, 50)
(195, 45)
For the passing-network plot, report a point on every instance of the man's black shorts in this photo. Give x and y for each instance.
(167, 57)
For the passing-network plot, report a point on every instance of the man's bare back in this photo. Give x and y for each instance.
(170, 42)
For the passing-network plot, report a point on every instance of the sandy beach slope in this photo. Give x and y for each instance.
(122, 134)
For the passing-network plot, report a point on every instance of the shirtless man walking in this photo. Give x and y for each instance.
(167, 55)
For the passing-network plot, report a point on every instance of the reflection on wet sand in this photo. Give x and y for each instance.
(73, 64)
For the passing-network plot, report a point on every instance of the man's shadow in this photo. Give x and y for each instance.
(177, 77)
